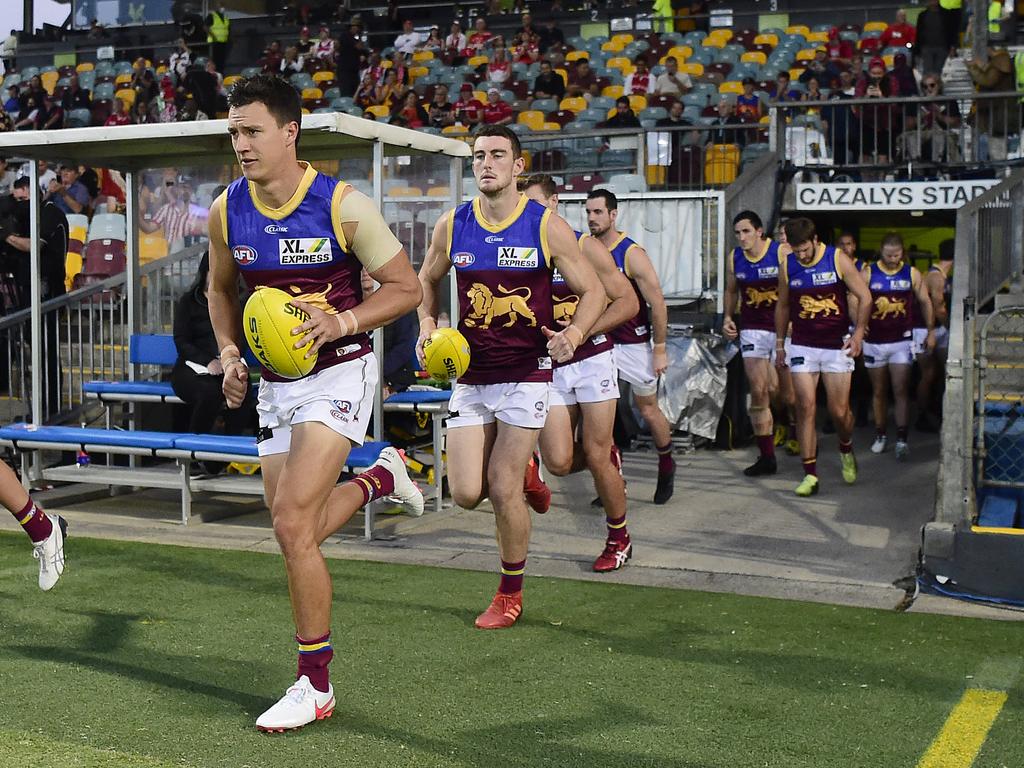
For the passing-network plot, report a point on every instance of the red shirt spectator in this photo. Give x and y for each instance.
(468, 111)
(480, 38)
(837, 49)
(120, 115)
(496, 111)
(499, 69)
(900, 33)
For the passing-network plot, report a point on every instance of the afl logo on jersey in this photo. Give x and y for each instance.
(463, 259)
(244, 255)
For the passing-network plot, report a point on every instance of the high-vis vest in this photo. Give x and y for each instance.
(1019, 60)
(995, 13)
(951, 5)
(219, 29)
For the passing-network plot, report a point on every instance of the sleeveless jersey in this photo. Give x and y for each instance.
(503, 275)
(758, 283)
(892, 300)
(817, 301)
(300, 249)
(565, 307)
(636, 330)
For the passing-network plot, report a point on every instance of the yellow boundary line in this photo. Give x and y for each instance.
(966, 729)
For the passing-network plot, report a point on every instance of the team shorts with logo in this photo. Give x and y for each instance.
(521, 404)
(340, 397)
(757, 343)
(636, 365)
(592, 380)
(920, 335)
(803, 359)
(891, 353)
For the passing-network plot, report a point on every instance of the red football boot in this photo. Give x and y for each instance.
(503, 611)
(538, 495)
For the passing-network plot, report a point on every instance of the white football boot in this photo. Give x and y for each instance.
(50, 553)
(405, 491)
(301, 705)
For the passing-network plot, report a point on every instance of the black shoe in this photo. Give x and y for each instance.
(765, 465)
(666, 485)
(828, 427)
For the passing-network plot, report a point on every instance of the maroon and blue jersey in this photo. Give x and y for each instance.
(503, 274)
(817, 300)
(299, 248)
(565, 302)
(758, 284)
(636, 330)
(892, 304)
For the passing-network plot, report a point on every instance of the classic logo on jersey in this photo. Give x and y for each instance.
(492, 239)
(565, 308)
(463, 259)
(885, 306)
(824, 278)
(485, 306)
(273, 229)
(518, 258)
(758, 296)
(244, 255)
(305, 250)
(818, 306)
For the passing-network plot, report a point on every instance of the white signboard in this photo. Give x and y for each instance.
(890, 195)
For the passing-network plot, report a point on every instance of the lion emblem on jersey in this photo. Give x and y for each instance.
(485, 306)
(815, 306)
(317, 299)
(757, 296)
(884, 307)
(565, 308)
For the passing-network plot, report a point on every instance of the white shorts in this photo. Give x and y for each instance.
(920, 335)
(892, 353)
(593, 380)
(803, 359)
(757, 343)
(341, 397)
(521, 404)
(636, 365)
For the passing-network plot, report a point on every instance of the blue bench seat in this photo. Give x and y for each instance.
(132, 391)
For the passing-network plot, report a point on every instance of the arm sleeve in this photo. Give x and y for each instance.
(374, 244)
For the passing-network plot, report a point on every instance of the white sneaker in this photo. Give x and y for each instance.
(50, 553)
(300, 705)
(902, 450)
(880, 444)
(405, 491)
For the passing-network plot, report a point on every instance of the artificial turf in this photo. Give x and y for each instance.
(157, 656)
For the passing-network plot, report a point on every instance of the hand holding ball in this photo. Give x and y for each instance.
(446, 354)
(268, 321)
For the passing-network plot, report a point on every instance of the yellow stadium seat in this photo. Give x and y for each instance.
(423, 56)
(85, 66)
(231, 80)
(637, 101)
(876, 26)
(551, 126)
(623, 37)
(889, 60)
(527, 159)
(627, 71)
(573, 104)
(476, 61)
(656, 175)
(765, 120)
(123, 80)
(532, 118)
(755, 57)
(564, 73)
(619, 62)
(612, 91)
(379, 110)
(795, 72)
(312, 93)
(417, 72)
(151, 247)
(127, 95)
(49, 80)
(573, 55)
(721, 163)
(798, 29)
(611, 112)
(456, 129)
(162, 69)
(439, 192)
(767, 38)
(714, 42)
(817, 37)
(387, 64)
(731, 86)
(612, 46)
(480, 96)
(806, 54)
(78, 233)
(306, 111)
(323, 74)
(694, 69)
(405, 192)
(722, 34)
(680, 52)
(72, 267)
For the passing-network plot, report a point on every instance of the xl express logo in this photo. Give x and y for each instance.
(305, 250)
(518, 258)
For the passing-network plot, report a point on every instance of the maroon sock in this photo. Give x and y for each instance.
(314, 656)
(901, 434)
(35, 522)
(665, 463)
(811, 467)
(880, 432)
(846, 446)
(617, 529)
(766, 445)
(374, 483)
(511, 577)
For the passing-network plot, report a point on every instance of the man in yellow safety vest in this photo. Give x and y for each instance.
(218, 27)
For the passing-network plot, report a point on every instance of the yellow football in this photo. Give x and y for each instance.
(268, 321)
(446, 354)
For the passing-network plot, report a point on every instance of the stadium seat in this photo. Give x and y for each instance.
(122, 81)
(310, 94)
(103, 91)
(612, 46)
(754, 57)
(544, 105)
(127, 96)
(78, 118)
(653, 113)
(476, 61)
(637, 102)
(629, 182)
(876, 26)
(561, 116)
(574, 55)
(693, 69)
(415, 73)
(817, 37)
(85, 66)
(612, 91)
(378, 110)
(721, 164)
(573, 104)
(322, 76)
(104, 257)
(152, 247)
(798, 29)
(109, 226)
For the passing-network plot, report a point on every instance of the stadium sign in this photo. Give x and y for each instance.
(890, 195)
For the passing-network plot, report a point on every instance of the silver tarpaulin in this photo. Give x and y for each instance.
(692, 391)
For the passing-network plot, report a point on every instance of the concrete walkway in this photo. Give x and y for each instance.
(721, 532)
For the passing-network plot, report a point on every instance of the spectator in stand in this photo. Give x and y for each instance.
(929, 136)
(144, 85)
(748, 105)
(724, 125)
(175, 215)
(54, 114)
(272, 56)
(549, 84)
(35, 91)
(527, 29)
(839, 51)
(847, 86)
(526, 48)
(76, 97)
(292, 63)
(191, 26)
(305, 45)
(550, 34)
(480, 39)
(218, 79)
(400, 67)
(624, 116)
(994, 118)
(7, 177)
(499, 69)
(218, 27)
(408, 41)
(496, 111)
(877, 122)
(903, 76)
(374, 69)
(9, 50)
(640, 80)
(69, 194)
(30, 115)
(167, 101)
(899, 34)
(391, 91)
(857, 67)
(433, 42)
(935, 38)
(119, 115)
(13, 103)
(349, 53)
(6, 121)
(411, 112)
(679, 168)
(325, 46)
(181, 57)
(821, 68)
(468, 109)
(783, 91)
(190, 112)
(366, 94)
(583, 81)
(455, 43)
(813, 93)
(46, 175)
(203, 86)
(144, 112)
(672, 82)
(838, 121)
(441, 112)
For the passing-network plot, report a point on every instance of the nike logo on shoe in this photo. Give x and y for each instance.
(325, 711)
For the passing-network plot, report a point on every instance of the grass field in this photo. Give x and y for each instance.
(156, 656)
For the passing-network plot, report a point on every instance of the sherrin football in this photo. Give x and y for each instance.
(446, 354)
(268, 320)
